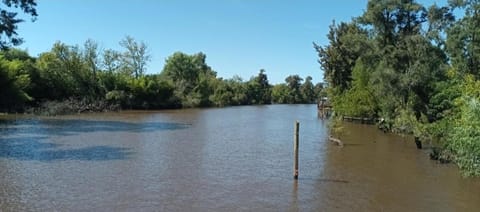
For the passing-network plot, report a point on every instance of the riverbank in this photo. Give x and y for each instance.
(71, 106)
(77, 106)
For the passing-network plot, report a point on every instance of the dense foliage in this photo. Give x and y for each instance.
(87, 78)
(416, 68)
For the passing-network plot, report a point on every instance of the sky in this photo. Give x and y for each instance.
(239, 37)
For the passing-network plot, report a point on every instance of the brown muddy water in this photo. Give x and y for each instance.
(228, 159)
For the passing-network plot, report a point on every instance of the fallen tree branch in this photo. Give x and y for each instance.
(336, 141)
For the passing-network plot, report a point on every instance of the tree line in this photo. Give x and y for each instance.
(82, 76)
(416, 68)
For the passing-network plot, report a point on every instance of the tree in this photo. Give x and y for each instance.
(149, 92)
(14, 83)
(359, 100)
(265, 88)
(239, 89)
(259, 90)
(9, 20)
(111, 60)
(281, 94)
(319, 90)
(405, 64)
(393, 18)
(91, 56)
(397, 53)
(294, 83)
(347, 42)
(135, 58)
(192, 77)
(439, 20)
(463, 40)
(65, 72)
(223, 94)
(54, 81)
(308, 91)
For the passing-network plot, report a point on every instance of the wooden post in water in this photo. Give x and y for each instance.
(295, 150)
(418, 143)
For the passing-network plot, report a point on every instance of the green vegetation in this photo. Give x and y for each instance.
(294, 92)
(70, 79)
(417, 68)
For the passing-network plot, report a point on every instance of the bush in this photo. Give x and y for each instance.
(464, 140)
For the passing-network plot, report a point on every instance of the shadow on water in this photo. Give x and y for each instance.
(75, 126)
(36, 149)
(113, 126)
(28, 139)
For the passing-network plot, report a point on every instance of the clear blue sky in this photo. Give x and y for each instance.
(239, 37)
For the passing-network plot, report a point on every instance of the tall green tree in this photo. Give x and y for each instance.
(259, 89)
(408, 62)
(347, 42)
(463, 40)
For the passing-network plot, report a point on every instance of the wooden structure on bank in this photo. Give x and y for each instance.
(324, 108)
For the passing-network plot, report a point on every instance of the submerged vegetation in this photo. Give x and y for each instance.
(417, 68)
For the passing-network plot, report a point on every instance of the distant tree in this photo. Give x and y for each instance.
(239, 89)
(281, 94)
(320, 90)
(294, 82)
(223, 94)
(192, 77)
(65, 73)
(265, 88)
(136, 56)
(91, 56)
(149, 92)
(259, 90)
(111, 60)
(308, 91)
(9, 20)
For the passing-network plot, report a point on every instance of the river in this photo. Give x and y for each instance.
(220, 159)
